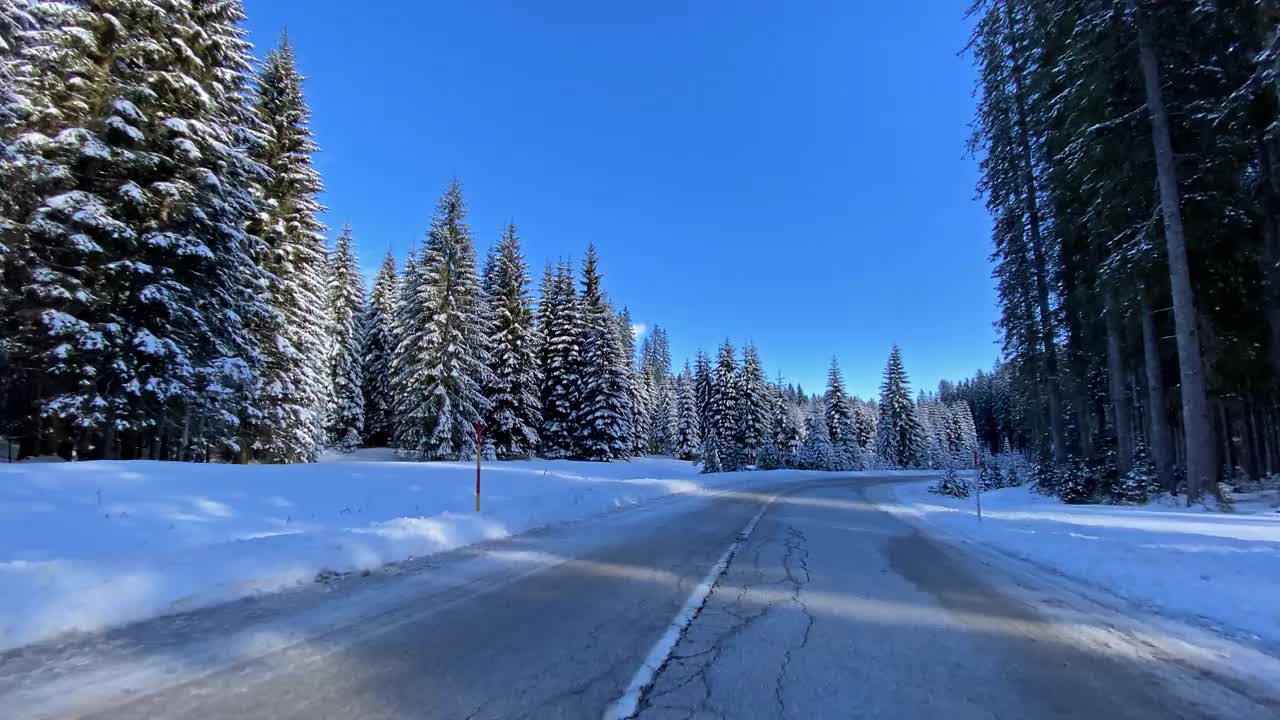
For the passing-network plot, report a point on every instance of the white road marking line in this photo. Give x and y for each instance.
(628, 704)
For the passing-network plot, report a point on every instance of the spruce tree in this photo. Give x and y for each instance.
(900, 433)
(643, 417)
(447, 344)
(377, 343)
(403, 354)
(688, 424)
(294, 388)
(515, 412)
(560, 323)
(722, 418)
(754, 406)
(126, 193)
(710, 454)
(702, 389)
(346, 373)
(785, 426)
(839, 415)
(603, 415)
(816, 452)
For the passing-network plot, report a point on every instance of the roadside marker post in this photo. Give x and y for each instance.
(479, 426)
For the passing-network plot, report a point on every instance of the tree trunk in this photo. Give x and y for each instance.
(1038, 262)
(1157, 412)
(1201, 475)
(1120, 416)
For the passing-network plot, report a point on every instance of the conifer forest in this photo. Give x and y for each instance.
(171, 293)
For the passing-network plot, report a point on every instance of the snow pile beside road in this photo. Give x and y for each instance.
(1219, 568)
(91, 544)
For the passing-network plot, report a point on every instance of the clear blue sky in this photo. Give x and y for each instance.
(789, 173)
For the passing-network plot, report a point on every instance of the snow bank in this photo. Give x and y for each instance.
(1222, 569)
(91, 544)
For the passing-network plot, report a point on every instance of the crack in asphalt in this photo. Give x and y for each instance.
(798, 549)
(689, 665)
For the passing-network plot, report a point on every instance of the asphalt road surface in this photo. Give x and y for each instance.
(830, 608)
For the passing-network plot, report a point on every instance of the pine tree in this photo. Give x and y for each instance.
(560, 323)
(602, 417)
(404, 354)
(346, 374)
(126, 191)
(900, 433)
(647, 417)
(702, 389)
(688, 424)
(723, 412)
(515, 412)
(447, 344)
(294, 388)
(1137, 485)
(643, 417)
(710, 455)
(840, 421)
(785, 425)
(377, 343)
(816, 452)
(864, 427)
(753, 406)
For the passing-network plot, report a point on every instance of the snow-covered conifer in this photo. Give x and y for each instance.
(346, 373)
(816, 452)
(702, 389)
(294, 387)
(710, 455)
(560, 325)
(447, 344)
(515, 412)
(754, 406)
(786, 436)
(900, 433)
(724, 409)
(377, 343)
(602, 416)
(688, 424)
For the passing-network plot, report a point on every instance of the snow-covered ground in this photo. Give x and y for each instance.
(91, 544)
(1219, 569)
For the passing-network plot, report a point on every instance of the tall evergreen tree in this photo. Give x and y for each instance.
(447, 343)
(754, 406)
(515, 411)
(603, 416)
(816, 452)
(900, 432)
(786, 437)
(127, 189)
(840, 420)
(702, 388)
(644, 420)
(377, 343)
(560, 323)
(294, 388)
(688, 444)
(408, 313)
(723, 412)
(346, 373)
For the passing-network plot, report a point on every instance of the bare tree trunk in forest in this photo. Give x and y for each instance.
(1201, 475)
(1157, 412)
(1269, 258)
(1120, 416)
(1038, 261)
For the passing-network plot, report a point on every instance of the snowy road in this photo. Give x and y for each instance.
(831, 607)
